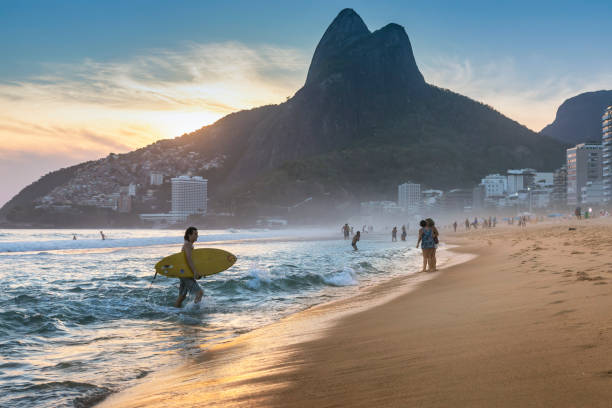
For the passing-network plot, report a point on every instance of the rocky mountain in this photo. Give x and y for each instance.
(364, 122)
(578, 119)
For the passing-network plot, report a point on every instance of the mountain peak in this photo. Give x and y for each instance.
(349, 49)
(346, 29)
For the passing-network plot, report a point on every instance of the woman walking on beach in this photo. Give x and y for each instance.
(426, 240)
(433, 260)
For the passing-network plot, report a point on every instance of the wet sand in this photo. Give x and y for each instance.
(527, 323)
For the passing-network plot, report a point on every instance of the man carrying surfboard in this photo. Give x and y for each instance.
(189, 285)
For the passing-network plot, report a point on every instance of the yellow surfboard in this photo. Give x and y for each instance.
(208, 261)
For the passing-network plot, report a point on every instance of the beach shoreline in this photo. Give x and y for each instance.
(526, 323)
(305, 325)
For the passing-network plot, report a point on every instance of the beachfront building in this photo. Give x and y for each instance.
(583, 165)
(189, 195)
(543, 179)
(520, 179)
(495, 185)
(592, 193)
(409, 195)
(606, 139)
(431, 199)
(559, 190)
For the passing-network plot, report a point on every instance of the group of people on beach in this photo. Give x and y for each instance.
(428, 239)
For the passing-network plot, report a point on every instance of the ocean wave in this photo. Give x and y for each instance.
(257, 280)
(173, 238)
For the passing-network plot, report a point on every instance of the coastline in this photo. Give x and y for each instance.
(526, 323)
(262, 350)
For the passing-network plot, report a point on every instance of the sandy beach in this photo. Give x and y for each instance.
(526, 323)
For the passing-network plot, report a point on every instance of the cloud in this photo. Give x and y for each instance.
(531, 99)
(75, 112)
(161, 94)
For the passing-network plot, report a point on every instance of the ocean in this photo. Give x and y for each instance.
(80, 319)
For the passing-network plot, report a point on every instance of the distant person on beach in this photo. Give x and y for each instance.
(74, 237)
(467, 224)
(102, 235)
(189, 285)
(404, 233)
(355, 240)
(455, 226)
(346, 231)
(427, 243)
(578, 213)
(394, 234)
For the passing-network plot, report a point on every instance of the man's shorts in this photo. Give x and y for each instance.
(188, 285)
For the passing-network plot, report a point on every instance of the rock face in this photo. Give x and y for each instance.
(364, 122)
(578, 119)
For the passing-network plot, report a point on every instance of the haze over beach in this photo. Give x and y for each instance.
(300, 205)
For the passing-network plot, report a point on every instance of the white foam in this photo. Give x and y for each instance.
(345, 277)
(256, 277)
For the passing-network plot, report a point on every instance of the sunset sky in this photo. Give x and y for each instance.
(81, 79)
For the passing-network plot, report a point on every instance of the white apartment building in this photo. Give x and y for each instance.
(543, 179)
(583, 165)
(495, 185)
(189, 195)
(606, 141)
(409, 195)
(520, 179)
(592, 192)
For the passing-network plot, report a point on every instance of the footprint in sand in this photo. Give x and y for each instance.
(564, 312)
(556, 292)
(576, 252)
(556, 302)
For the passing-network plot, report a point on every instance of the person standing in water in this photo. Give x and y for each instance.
(394, 234)
(102, 236)
(346, 231)
(189, 285)
(455, 226)
(355, 240)
(404, 233)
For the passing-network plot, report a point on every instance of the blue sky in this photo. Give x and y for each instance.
(84, 78)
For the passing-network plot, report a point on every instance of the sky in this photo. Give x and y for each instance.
(80, 79)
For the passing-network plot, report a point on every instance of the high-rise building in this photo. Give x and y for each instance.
(408, 195)
(583, 165)
(606, 139)
(189, 195)
(592, 192)
(495, 185)
(520, 179)
(559, 192)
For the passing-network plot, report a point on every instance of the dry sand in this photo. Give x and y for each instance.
(528, 323)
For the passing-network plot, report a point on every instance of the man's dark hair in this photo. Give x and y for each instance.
(430, 222)
(189, 231)
(423, 223)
